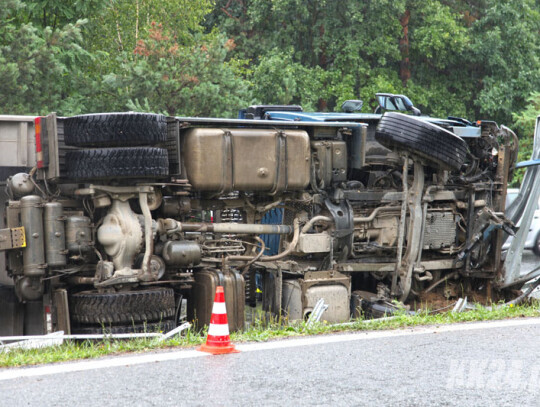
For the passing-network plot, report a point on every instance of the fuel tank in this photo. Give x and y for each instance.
(265, 160)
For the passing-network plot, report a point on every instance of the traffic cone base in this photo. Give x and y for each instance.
(218, 350)
(218, 341)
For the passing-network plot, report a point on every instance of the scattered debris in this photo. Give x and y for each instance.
(318, 310)
(57, 338)
(460, 306)
(174, 332)
(54, 339)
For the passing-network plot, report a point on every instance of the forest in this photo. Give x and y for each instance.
(477, 59)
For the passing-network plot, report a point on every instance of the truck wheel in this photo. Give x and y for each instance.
(163, 326)
(440, 147)
(115, 129)
(130, 307)
(117, 162)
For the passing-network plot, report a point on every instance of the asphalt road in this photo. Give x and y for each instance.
(482, 364)
(485, 366)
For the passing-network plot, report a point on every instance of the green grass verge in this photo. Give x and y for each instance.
(260, 330)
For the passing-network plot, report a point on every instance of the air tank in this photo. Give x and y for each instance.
(32, 220)
(55, 235)
(182, 253)
(20, 184)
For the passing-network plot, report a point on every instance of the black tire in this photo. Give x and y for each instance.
(130, 307)
(115, 129)
(163, 326)
(131, 162)
(438, 146)
(536, 247)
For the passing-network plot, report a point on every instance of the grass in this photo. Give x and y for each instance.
(260, 330)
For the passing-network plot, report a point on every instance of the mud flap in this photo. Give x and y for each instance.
(11, 313)
(272, 291)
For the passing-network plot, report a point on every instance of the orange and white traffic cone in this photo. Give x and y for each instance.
(218, 341)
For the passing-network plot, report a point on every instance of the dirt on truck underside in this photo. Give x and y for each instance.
(438, 301)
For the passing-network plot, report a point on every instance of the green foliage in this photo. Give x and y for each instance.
(505, 53)
(39, 66)
(120, 24)
(277, 79)
(260, 330)
(330, 51)
(177, 80)
(57, 13)
(349, 49)
(524, 124)
(477, 59)
(525, 120)
(437, 35)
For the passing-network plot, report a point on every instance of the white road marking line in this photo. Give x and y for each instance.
(325, 339)
(71, 367)
(16, 373)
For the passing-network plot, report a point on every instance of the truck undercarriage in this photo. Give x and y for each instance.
(126, 215)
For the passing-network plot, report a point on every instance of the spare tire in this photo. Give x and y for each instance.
(115, 129)
(131, 162)
(438, 146)
(129, 307)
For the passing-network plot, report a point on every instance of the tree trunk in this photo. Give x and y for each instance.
(405, 63)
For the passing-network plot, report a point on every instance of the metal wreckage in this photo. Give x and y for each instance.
(118, 220)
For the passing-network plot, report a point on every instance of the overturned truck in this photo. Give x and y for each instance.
(125, 216)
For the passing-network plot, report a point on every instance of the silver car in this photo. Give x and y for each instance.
(533, 237)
